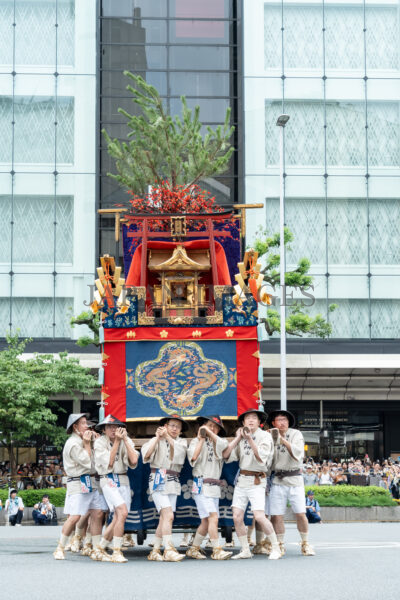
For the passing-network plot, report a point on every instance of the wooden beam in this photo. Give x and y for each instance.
(213, 253)
(245, 206)
(167, 234)
(144, 254)
(117, 221)
(105, 211)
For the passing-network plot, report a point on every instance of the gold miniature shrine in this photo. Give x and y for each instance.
(179, 292)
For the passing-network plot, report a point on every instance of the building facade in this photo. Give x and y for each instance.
(47, 163)
(334, 67)
(182, 47)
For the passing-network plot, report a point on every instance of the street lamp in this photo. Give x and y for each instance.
(281, 122)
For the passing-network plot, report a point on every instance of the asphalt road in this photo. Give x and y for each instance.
(353, 560)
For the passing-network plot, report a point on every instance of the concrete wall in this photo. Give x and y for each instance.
(352, 513)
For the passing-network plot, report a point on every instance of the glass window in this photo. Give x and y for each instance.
(304, 139)
(34, 316)
(211, 110)
(34, 139)
(385, 315)
(110, 191)
(35, 32)
(6, 32)
(384, 218)
(129, 8)
(351, 318)
(34, 233)
(65, 32)
(135, 31)
(305, 218)
(65, 130)
(134, 58)
(382, 36)
(34, 129)
(303, 39)
(222, 189)
(190, 58)
(6, 129)
(199, 84)
(383, 133)
(114, 83)
(193, 9)
(5, 229)
(199, 32)
(345, 135)
(110, 106)
(344, 37)
(347, 231)
(272, 37)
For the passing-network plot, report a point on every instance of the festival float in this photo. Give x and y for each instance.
(180, 333)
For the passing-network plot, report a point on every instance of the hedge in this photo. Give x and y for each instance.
(352, 495)
(340, 495)
(32, 497)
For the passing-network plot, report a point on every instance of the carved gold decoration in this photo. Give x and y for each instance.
(180, 320)
(163, 333)
(178, 261)
(220, 290)
(250, 279)
(139, 292)
(196, 333)
(178, 226)
(229, 333)
(158, 294)
(256, 354)
(144, 319)
(215, 319)
(131, 334)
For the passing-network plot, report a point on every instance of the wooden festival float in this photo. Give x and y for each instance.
(179, 335)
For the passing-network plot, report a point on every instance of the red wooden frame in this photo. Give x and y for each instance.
(145, 234)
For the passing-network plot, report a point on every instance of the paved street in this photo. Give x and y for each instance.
(353, 560)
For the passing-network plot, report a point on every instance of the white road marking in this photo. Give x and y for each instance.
(350, 545)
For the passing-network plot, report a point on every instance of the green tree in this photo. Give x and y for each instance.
(298, 321)
(93, 322)
(162, 147)
(26, 388)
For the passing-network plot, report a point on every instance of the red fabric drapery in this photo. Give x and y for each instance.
(222, 265)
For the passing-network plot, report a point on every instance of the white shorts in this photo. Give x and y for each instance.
(164, 500)
(281, 494)
(98, 501)
(206, 505)
(78, 504)
(117, 496)
(255, 495)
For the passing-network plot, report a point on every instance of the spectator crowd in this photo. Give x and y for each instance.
(384, 474)
(34, 476)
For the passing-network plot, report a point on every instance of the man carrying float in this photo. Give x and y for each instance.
(114, 452)
(205, 454)
(80, 498)
(166, 453)
(253, 448)
(287, 479)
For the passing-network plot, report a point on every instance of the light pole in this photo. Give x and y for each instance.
(281, 122)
